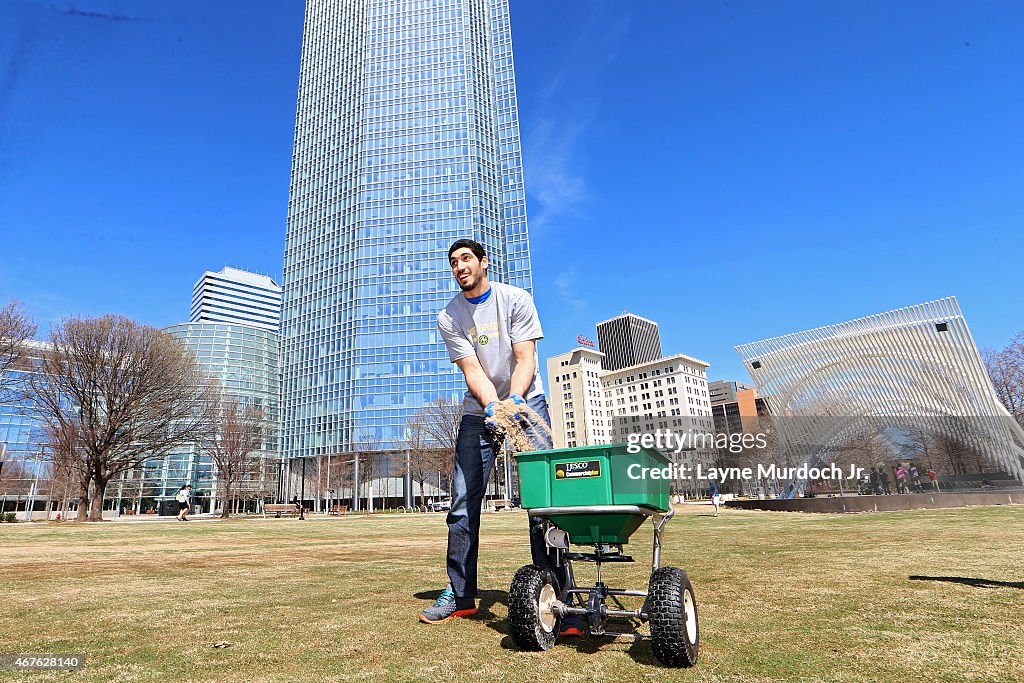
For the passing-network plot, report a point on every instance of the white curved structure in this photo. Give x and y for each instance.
(913, 362)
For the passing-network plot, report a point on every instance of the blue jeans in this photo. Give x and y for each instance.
(474, 459)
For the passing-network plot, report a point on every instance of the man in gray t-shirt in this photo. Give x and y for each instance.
(491, 332)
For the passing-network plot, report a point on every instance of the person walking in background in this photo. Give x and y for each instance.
(915, 477)
(933, 477)
(716, 497)
(876, 482)
(884, 477)
(900, 472)
(184, 497)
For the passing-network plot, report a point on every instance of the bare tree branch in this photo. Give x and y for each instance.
(440, 423)
(16, 328)
(128, 392)
(236, 432)
(70, 464)
(1006, 369)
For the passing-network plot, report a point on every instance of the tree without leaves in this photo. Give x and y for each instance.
(868, 449)
(130, 392)
(747, 453)
(264, 475)
(16, 328)
(12, 475)
(131, 487)
(234, 434)
(1006, 369)
(950, 454)
(69, 463)
(441, 419)
(416, 444)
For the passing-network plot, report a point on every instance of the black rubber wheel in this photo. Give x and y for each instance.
(534, 625)
(672, 610)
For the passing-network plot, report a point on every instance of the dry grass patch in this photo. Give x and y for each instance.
(783, 597)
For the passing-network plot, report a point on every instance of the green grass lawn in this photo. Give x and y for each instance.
(782, 597)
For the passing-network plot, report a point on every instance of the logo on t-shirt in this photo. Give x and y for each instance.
(484, 333)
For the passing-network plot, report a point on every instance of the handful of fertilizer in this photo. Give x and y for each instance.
(518, 424)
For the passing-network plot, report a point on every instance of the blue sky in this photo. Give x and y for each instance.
(733, 170)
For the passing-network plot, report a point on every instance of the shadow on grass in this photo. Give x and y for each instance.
(487, 598)
(427, 595)
(967, 581)
(639, 649)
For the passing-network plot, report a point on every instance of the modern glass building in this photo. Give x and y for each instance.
(245, 361)
(406, 139)
(24, 470)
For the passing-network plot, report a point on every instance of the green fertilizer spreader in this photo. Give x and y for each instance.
(598, 496)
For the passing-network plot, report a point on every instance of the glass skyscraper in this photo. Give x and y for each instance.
(406, 139)
(243, 359)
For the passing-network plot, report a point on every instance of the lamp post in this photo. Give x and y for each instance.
(280, 483)
(329, 491)
(32, 491)
(408, 479)
(3, 458)
(319, 462)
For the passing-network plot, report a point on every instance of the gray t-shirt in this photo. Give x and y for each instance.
(488, 331)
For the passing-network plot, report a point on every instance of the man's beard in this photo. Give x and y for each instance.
(470, 284)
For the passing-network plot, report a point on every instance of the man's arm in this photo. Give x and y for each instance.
(526, 367)
(479, 384)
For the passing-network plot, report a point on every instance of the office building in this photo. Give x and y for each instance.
(244, 361)
(406, 139)
(736, 407)
(590, 406)
(576, 399)
(725, 391)
(243, 358)
(666, 393)
(237, 297)
(627, 340)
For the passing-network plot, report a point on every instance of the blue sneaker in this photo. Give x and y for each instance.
(448, 607)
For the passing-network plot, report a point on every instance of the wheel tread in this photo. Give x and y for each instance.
(668, 619)
(522, 609)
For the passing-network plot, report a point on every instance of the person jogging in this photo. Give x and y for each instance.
(716, 497)
(184, 497)
(491, 332)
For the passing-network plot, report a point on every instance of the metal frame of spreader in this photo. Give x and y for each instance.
(596, 611)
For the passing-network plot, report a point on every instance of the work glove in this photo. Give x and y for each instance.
(489, 420)
(518, 401)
